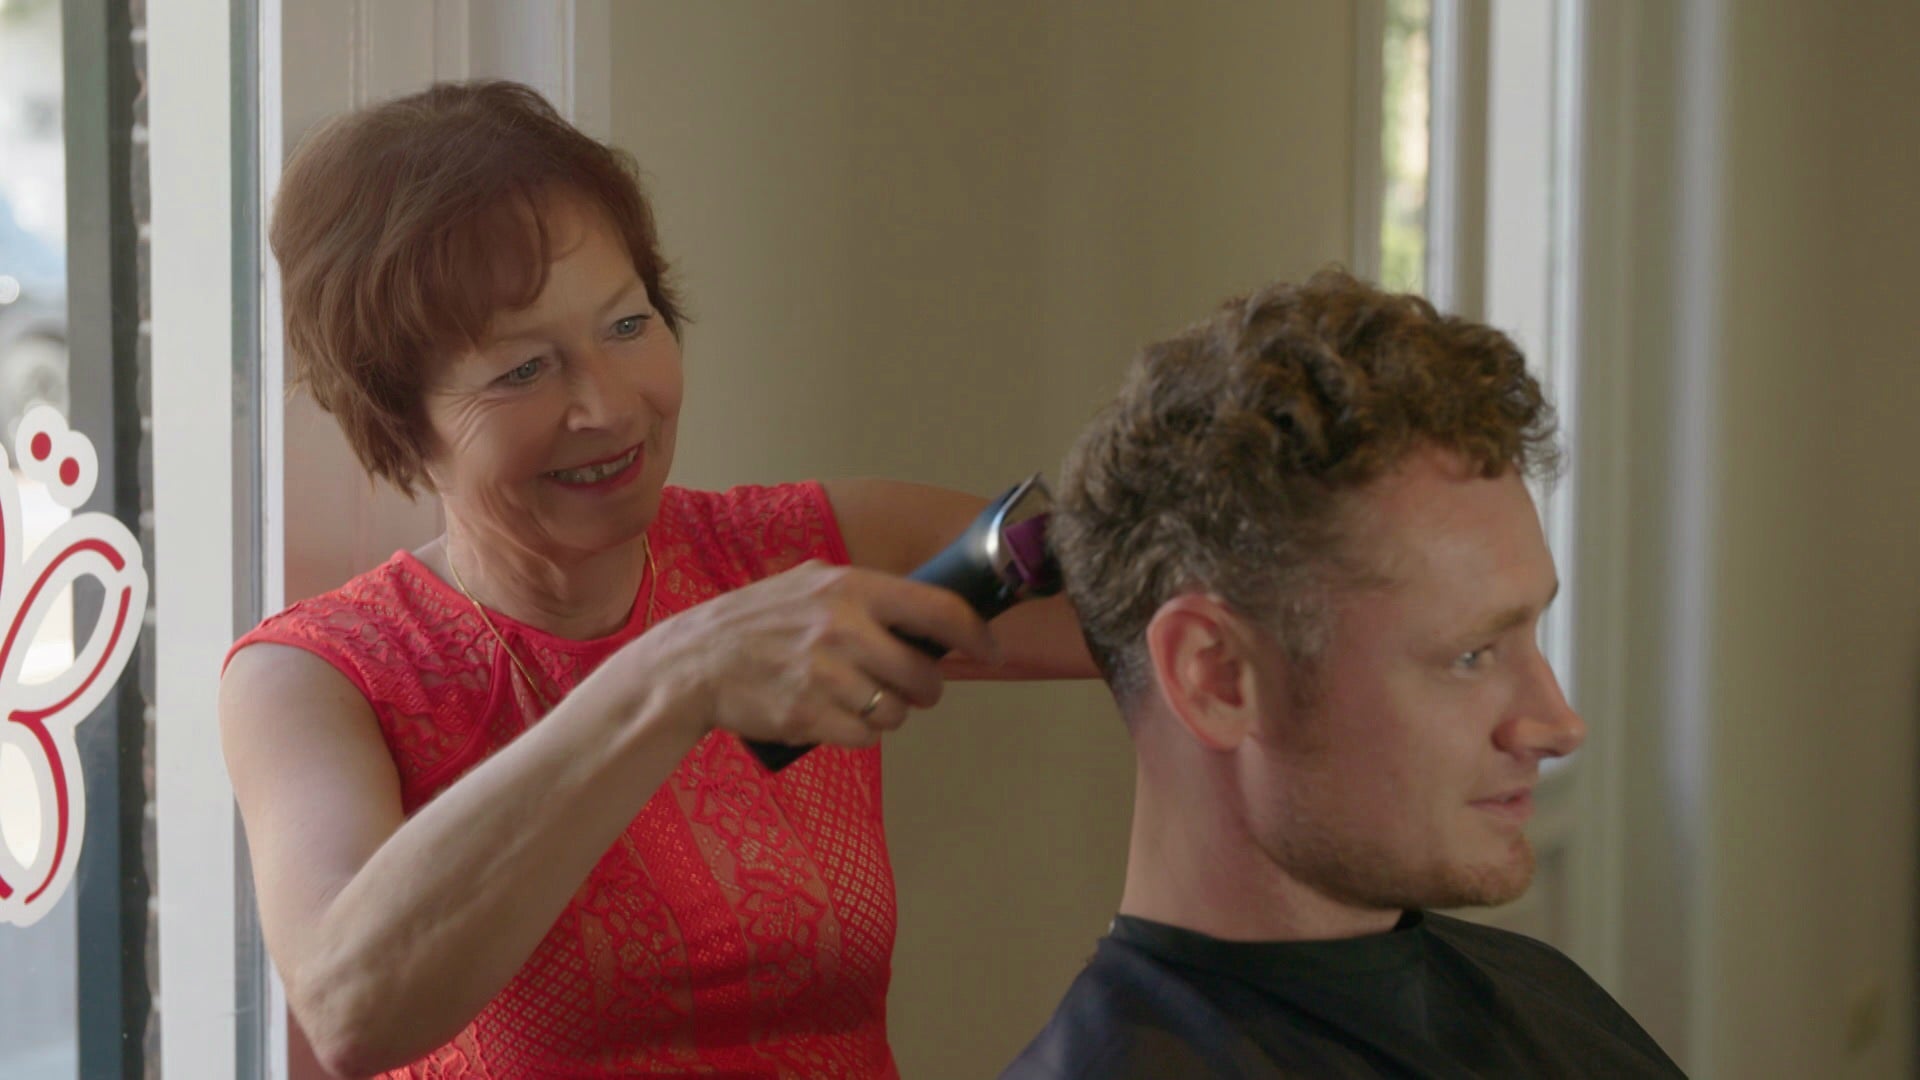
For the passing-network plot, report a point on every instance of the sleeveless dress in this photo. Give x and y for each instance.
(743, 924)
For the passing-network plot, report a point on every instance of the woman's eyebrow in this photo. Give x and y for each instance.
(514, 333)
(620, 298)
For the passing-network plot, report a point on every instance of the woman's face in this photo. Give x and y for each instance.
(554, 435)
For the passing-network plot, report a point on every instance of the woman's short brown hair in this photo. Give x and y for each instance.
(1220, 465)
(402, 229)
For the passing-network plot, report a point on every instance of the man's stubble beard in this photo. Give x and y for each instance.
(1351, 871)
(1354, 869)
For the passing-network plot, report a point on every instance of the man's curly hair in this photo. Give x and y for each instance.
(1221, 465)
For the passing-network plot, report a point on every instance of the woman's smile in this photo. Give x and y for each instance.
(607, 474)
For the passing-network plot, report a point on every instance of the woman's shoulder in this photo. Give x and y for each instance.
(394, 608)
(749, 531)
(744, 507)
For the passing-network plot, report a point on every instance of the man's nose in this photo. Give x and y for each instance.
(1544, 725)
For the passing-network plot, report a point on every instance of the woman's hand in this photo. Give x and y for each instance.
(894, 526)
(798, 658)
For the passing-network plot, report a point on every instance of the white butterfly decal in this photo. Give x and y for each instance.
(38, 719)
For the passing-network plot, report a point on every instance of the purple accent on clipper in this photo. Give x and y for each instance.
(1027, 541)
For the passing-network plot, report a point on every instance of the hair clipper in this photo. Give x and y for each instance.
(1000, 560)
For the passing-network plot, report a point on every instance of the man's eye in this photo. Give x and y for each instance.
(1474, 660)
(631, 326)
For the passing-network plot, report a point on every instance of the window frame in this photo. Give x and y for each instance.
(111, 888)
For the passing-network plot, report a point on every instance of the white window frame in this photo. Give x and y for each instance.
(189, 109)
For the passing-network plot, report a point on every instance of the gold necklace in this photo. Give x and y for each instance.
(653, 584)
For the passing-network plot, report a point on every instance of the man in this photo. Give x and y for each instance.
(1303, 551)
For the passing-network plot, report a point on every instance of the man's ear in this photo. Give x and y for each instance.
(1205, 663)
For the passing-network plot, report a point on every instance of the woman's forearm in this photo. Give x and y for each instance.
(440, 918)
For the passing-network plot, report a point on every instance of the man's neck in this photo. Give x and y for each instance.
(1193, 864)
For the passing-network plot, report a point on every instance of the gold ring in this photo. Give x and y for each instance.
(873, 703)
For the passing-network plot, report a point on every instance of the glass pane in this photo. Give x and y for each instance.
(1405, 134)
(38, 998)
(1524, 267)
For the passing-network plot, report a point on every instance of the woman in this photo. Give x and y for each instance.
(501, 820)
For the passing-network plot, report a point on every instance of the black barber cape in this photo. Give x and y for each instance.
(1434, 997)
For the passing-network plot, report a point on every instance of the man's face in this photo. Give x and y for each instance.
(1406, 781)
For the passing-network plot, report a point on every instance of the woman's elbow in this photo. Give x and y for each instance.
(343, 1061)
(351, 1034)
(343, 1053)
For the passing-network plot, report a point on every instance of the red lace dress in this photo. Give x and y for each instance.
(743, 925)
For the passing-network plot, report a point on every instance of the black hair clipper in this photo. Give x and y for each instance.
(999, 561)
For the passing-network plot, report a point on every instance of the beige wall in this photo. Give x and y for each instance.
(1770, 897)
(1816, 677)
(923, 244)
(1870, 499)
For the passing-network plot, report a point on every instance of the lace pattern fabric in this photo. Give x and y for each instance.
(743, 924)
